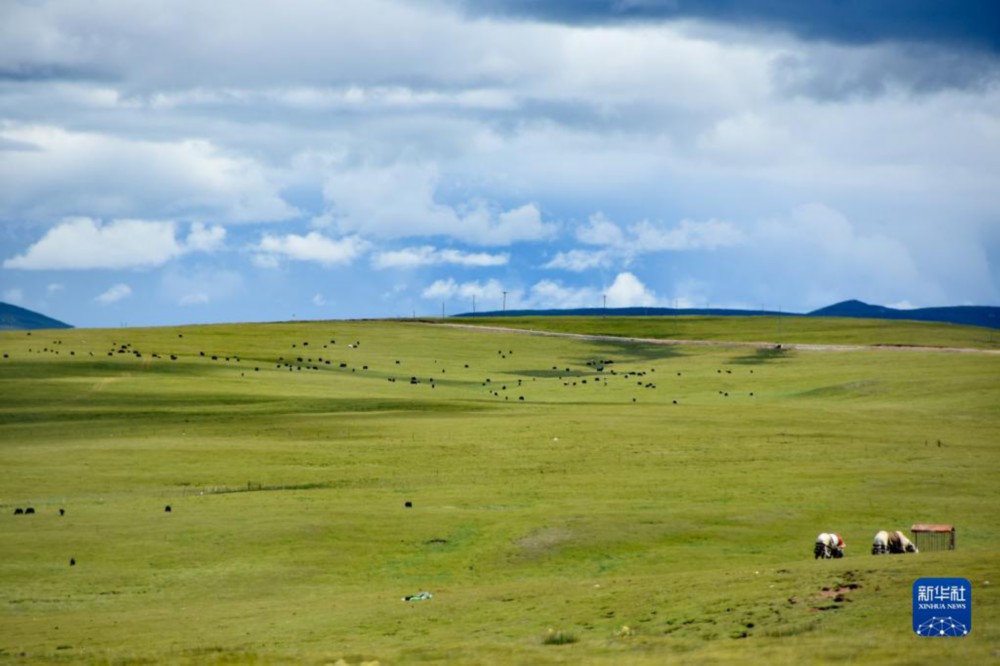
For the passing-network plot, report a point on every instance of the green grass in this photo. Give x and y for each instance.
(584, 508)
(554, 637)
(773, 329)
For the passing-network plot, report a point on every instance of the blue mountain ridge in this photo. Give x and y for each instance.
(14, 318)
(966, 315)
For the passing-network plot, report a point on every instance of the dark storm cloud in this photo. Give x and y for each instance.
(970, 22)
(830, 72)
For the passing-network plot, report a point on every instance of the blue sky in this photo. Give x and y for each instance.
(182, 162)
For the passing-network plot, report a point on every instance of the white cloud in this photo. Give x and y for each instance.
(111, 176)
(197, 298)
(399, 201)
(827, 231)
(599, 230)
(54, 287)
(345, 98)
(691, 293)
(441, 289)
(551, 294)
(688, 235)
(84, 243)
(625, 291)
(447, 289)
(389, 202)
(747, 137)
(523, 223)
(114, 294)
(427, 255)
(581, 260)
(14, 295)
(335, 44)
(265, 261)
(628, 291)
(319, 300)
(205, 239)
(821, 258)
(645, 236)
(642, 238)
(314, 247)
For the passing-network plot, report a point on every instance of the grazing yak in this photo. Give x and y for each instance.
(880, 544)
(894, 543)
(828, 545)
(898, 543)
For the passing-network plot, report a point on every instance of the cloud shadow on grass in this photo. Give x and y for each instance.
(632, 352)
(762, 356)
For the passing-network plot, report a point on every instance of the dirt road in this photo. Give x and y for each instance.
(724, 343)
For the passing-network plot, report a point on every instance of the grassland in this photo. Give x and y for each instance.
(655, 503)
(771, 329)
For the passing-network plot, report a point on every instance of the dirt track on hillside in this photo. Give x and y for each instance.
(724, 343)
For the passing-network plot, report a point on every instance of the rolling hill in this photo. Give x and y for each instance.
(14, 318)
(562, 499)
(966, 315)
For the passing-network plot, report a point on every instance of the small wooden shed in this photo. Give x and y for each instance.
(933, 537)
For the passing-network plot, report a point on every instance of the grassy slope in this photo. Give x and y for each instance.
(576, 509)
(801, 330)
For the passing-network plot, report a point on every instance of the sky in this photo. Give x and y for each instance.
(179, 161)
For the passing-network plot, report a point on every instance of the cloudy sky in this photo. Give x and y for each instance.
(181, 161)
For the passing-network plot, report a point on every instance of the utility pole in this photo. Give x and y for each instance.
(473, 304)
(605, 296)
(505, 301)
(442, 309)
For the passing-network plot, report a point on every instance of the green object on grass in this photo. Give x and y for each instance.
(419, 596)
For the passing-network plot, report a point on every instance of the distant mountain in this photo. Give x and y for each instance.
(854, 308)
(630, 312)
(14, 318)
(966, 315)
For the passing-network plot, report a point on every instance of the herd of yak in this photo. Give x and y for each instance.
(830, 545)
